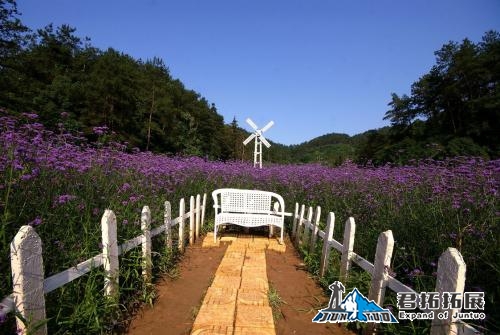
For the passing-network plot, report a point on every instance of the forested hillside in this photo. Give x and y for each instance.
(70, 83)
(452, 110)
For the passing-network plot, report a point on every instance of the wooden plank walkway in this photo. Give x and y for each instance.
(236, 302)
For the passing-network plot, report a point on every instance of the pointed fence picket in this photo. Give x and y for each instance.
(450, 272)
(27, 278)
(146, 244)
(192, 223)
(182, 217)
(167, 218)
(30, 286)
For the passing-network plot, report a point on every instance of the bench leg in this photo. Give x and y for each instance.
(215, 233)
(271, 230)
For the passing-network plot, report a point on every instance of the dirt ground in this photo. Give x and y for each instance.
(180, 297)
(301, 295)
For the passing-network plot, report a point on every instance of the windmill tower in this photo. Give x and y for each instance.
(259, 139)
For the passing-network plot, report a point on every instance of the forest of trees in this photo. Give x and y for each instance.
(52, 72)
(452, 110)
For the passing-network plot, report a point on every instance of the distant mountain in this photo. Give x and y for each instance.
(330, 149)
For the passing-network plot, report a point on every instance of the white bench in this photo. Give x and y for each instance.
(248, 208)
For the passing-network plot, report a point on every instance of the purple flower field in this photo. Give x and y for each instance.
(60, 184)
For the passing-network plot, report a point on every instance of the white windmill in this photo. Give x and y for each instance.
(259, 139)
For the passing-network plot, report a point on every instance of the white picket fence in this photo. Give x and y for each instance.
(30, 286)
(450, 271)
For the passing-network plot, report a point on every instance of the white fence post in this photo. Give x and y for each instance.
(198, 216)
(182, 209)
(381, 265)
(314, 234)
(450, 278)
(204, 204)
(325, 254)
(347, 250)
(167, 221)
(27, 277)
(299, 224)
(146, 244)
(110, 254)
(191, 220)
(305, 235)
(295, 219)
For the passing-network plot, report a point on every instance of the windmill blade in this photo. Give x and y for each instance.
(266, 143)
(269, 125)
(251, 123)
(249, 138)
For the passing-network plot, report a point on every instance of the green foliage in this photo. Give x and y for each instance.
(453, 109)
(12, 31)
(53, 71)
(275, 302)
(331, 149)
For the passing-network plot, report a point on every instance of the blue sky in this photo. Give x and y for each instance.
(314, 67)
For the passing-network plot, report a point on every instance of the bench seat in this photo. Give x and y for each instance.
(256, 220)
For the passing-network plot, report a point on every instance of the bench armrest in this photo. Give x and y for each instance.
(283, 213)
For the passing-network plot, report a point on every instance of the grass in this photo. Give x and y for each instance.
(275, 302)
(194, 312)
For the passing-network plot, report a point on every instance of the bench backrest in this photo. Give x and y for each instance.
(244, 201)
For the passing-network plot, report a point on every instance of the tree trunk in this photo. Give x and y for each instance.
(150, 118)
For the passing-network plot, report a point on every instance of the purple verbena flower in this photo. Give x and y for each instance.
(36, 222)
(31, 116)
(63, 199)
(100, 130)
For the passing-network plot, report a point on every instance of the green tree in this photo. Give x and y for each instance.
(110, 94)
(154, 102)
(12, 32)
(458, 98)
(14, 37)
